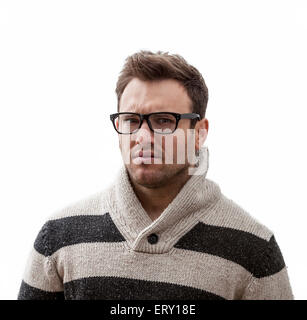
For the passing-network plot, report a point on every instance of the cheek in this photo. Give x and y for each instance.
(125, 144)
(180, 148)
(174, 146)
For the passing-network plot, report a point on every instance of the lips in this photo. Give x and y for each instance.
(146, 154)
(143, 154)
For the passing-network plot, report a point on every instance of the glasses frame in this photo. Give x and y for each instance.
(143, 116)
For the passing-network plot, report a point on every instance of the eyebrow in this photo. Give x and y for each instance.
(136, 106)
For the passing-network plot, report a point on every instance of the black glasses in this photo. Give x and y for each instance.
(158, 122)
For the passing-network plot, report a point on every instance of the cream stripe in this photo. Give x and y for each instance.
(40, 273)
(228, 214)
(91, 205)
(273, 287)
(182, 267)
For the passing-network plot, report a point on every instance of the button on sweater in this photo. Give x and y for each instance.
(203, 246)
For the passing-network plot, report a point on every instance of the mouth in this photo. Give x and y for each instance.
(144, 156)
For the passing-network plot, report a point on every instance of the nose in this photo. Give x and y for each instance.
(145, 125)
(144, 134)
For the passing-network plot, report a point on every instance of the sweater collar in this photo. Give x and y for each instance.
(193, 201)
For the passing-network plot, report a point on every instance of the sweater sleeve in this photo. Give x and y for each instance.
(271, 282)
(41, 280)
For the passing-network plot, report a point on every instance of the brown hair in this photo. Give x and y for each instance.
(147, 66)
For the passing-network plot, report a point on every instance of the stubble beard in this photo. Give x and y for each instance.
(155, 177)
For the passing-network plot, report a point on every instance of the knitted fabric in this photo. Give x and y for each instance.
(203, 246)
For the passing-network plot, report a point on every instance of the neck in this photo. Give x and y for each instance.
(155, 200)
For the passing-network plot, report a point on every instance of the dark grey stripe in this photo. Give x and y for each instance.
(260, 257)
(62, 232)
(116, 288)
(27, 292)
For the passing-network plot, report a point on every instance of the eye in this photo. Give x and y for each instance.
(164, 120)
(131, 120)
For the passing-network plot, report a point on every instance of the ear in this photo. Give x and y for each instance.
(201, 132)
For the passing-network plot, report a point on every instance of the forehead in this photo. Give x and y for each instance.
(154, 96)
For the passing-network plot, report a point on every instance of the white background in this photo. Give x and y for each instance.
(59, 62)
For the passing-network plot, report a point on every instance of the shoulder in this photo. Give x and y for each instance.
(85, 220)
(227, 213)
(93, 204)
(229, 231)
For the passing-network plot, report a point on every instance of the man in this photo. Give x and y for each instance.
(162, 230)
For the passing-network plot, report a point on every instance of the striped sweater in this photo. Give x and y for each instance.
(202, 247)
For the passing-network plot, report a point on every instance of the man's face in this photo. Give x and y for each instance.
(155, 96)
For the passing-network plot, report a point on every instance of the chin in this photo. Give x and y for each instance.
(146, 174)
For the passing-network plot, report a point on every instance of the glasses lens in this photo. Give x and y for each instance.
(163, 122)
(127, 123)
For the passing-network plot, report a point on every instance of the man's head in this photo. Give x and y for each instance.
(160, 82)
